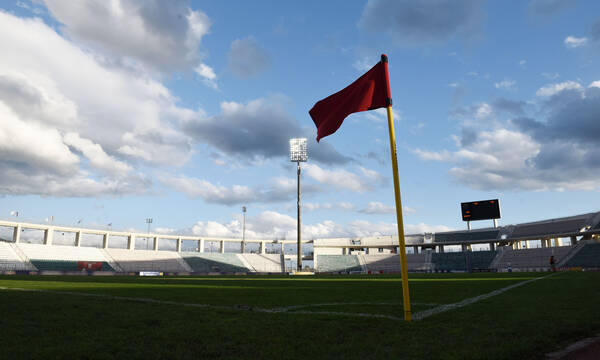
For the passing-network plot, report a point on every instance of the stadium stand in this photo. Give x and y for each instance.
(566, 225)
(465, 236)
(148, 260)
(463, 261)
(338, 263)
(214, 262)
(10, 260)
(481, 260)
(456, 261)
(530, 259)
(390, 263)
(63, 258)
(264, 263)
(587, 257)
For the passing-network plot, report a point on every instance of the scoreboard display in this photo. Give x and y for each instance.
(480, 210)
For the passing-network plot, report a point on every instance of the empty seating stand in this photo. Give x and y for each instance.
(264, 263)
(9, 260)
(531, 259)
(390, 263)
(587, 257)
(63, 257)
(462, 261)
(215, 262)
(465, 236)
(148, 260)
(338, 263)
(556, 226)
(65, 265)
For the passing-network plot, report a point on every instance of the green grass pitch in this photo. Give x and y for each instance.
(309, 317)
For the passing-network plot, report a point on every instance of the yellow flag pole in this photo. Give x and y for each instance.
(401, 241)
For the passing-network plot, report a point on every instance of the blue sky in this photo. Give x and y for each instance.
(116, 111)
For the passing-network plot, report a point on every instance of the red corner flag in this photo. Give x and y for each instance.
(368, 92)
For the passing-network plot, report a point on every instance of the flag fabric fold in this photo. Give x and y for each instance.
(370, 91)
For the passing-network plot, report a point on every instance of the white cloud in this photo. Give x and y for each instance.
(33, 9)
(208, 75)
(271, 224)
(365, 64)
(376, 207)
(279, 189)
(49, 152)
(505, 84)
(344, 205)
(123, 112)
(205, 71)
(167, 231)
(255, 131)
(443, 155)
(215, 229)
(380, 115)
(421, 228)
(211, 193)
(408, 210)
(247, 58)
(96, 155)
(595, 84)
(46, 92)
(551, 76)
(553, 89)
(574, 42)
(483, 111)
(163, 35)
(311, 206)
(421, 22)
(344, 179)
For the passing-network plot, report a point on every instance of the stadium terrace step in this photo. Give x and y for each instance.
(463, 261)
(64, 257)
(264, 263)
(465, 236)
(338, 263)
(61, 265)
(587, 257)
(147, 260)
(531, 259)
(555, 226)
(10, 260)
(390, 263)
(214, 262)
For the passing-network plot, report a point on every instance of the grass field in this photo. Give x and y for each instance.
(279, 317)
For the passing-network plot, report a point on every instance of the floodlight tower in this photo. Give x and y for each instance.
(149, 221)
(298, 154)
(244, 230)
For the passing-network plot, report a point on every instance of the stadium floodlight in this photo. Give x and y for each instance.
(148, 221)
(244, 230)
(298, 150)
(298, 154)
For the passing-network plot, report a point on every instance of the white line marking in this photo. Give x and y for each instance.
(443, 308)
(206, 306)
(294, 307)
(416, 316)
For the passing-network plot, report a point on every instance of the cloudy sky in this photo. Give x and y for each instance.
(122, 110)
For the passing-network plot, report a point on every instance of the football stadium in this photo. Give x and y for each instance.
(93, 299)
(132, 133)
